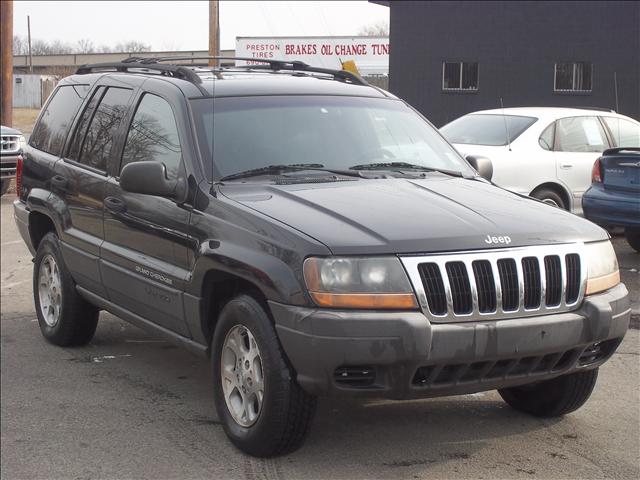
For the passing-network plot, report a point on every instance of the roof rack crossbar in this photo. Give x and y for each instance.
(266, 64)
(186, 73)
(133, 63)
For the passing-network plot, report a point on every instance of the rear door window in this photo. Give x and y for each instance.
(83, 125)
(580, 134)
(153, 135)
(625, 133)
(99, 138)
(51, 130)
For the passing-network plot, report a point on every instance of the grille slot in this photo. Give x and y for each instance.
(460, 288)
(509, 282)
(434, 288)
(532, 282)
(553, 269)
(573, 277)
(486, 286)
(500, 283)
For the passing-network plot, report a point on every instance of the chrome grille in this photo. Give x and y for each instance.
(10, 144)
(503, 283)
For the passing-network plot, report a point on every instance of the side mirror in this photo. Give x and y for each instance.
(149, 178)
(482, 165)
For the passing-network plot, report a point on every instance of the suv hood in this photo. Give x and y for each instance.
(440, 213)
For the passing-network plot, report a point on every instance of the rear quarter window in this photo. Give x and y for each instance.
(51, 130)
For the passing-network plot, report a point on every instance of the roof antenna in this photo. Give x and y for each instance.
(615, 88)
(506, 130)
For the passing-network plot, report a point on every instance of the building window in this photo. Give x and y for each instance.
(460, 76)
(572, 77)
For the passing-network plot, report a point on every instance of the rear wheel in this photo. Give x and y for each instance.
(552, 398)
(633, 237)
(65, 318)
(550, 197)
(4, 186)
(263, 410)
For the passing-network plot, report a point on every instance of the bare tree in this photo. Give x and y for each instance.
(20, 46)
(132, 46)
(104, 49)
(84, 45)
(380, 29)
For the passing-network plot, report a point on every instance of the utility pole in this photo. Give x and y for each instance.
(214, 32)
(29, 41)
(6, 62)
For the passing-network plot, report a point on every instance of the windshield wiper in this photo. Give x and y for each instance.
(404, 166)
(280, 169)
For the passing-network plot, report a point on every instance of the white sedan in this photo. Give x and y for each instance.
(547, 153)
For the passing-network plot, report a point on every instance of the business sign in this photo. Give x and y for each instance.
(371, 54)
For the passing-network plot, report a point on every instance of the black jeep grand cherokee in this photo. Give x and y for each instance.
(313, 235)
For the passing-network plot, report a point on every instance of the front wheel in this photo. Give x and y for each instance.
(633, 237)
(262, 408)
(552, 398)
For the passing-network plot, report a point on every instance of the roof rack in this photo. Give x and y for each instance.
(183, 71)
(134, 63)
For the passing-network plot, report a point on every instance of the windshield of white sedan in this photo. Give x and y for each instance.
(335, 133)
(486, 129)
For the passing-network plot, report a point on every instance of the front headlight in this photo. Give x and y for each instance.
(22, 142)
(602, 267)
(352, 282)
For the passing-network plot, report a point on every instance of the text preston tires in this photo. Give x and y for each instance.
(262, 408)
(552, 398)
(65, 318)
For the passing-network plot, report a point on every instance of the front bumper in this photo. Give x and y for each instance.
(402, 355)
(8, 166)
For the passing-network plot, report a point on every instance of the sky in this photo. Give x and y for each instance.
(174, 25)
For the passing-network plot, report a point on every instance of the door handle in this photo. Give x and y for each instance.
(566, 166)
(115, 205)
(60, 182)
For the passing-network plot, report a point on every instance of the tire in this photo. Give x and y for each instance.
(285, 415)
(65, 318)
(4, 186)
(550, 197)
(552, 398)
(633, 237)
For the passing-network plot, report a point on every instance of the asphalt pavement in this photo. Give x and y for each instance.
(130, 405)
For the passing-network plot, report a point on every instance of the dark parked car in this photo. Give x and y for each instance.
(614, 197)
(12, 143)
(312, 235)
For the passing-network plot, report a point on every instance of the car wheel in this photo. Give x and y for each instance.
(552, 398)
(4, 186)
(633, 237)
(550, 197)
(263, 410)
(65, 318)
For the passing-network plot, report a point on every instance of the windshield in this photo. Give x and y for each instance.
(244, 133)
(481, 129)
